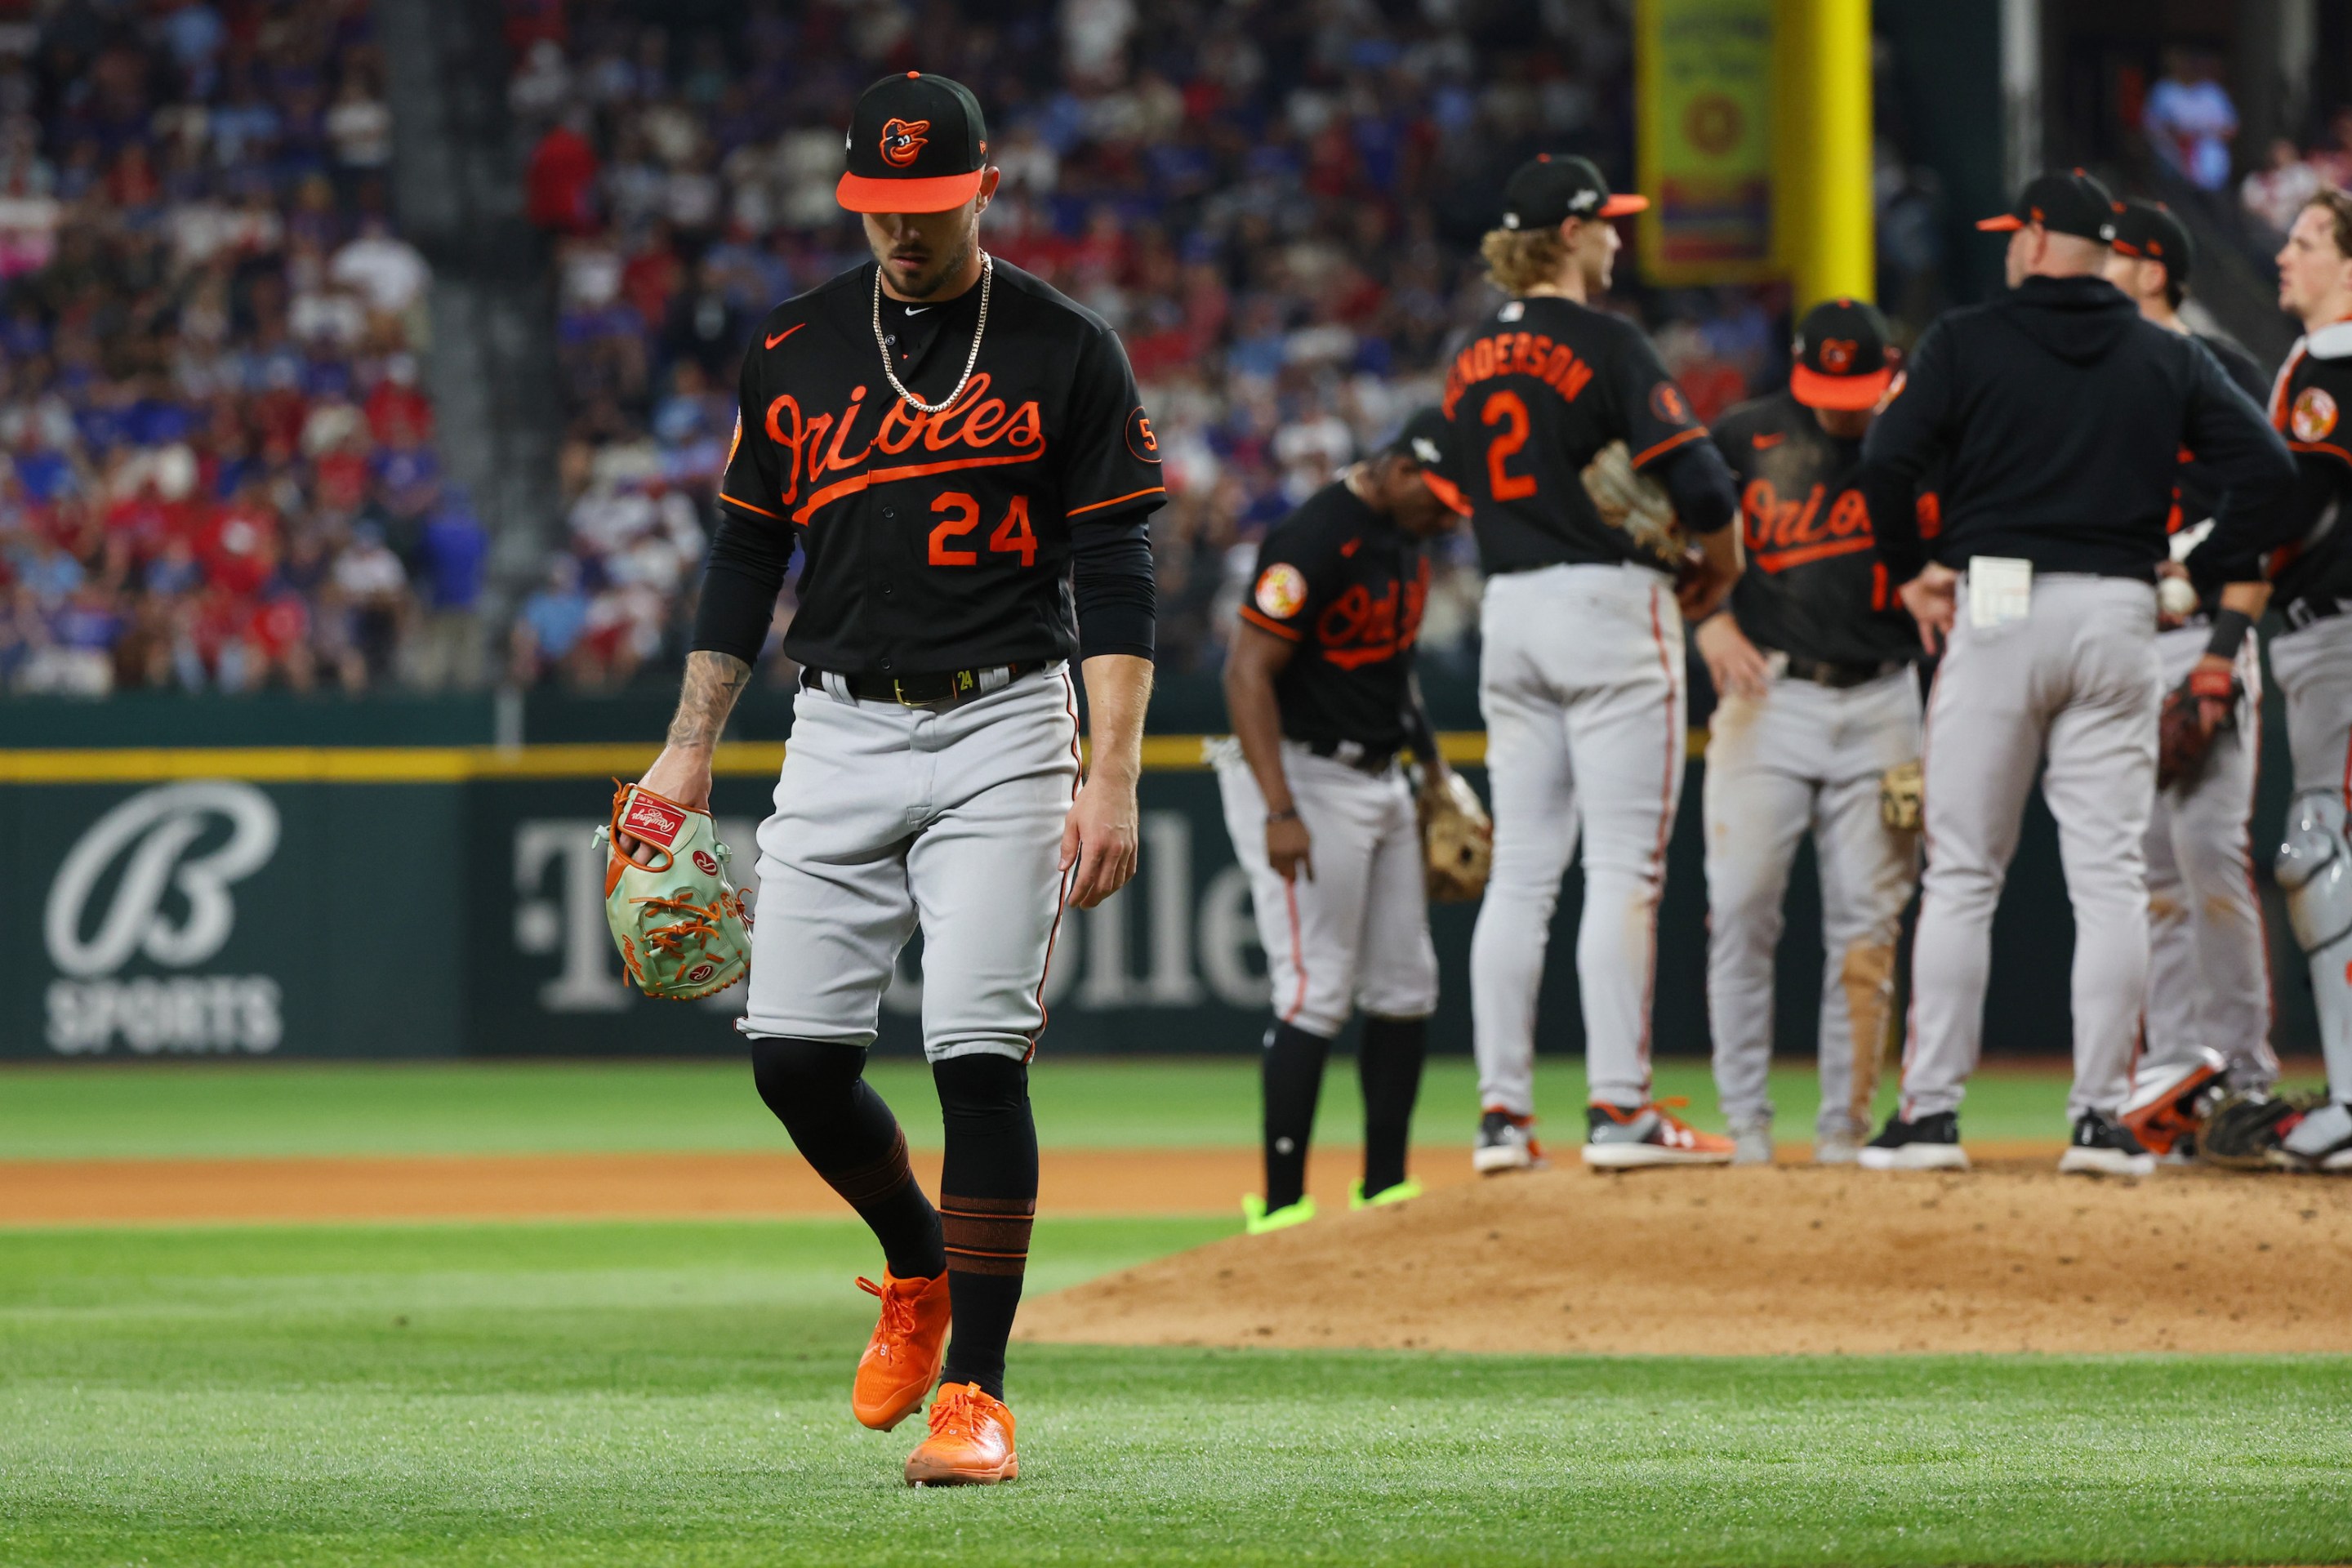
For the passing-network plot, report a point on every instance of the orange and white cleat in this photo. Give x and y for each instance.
(971, 1443)
(902, 1359)
(1626, 1136)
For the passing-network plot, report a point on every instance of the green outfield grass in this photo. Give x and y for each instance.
(162, 1109)
(675, 1394)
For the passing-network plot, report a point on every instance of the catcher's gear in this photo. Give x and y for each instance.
(2168, 1105)
(1634, 501)
(2183, 743)
(680, 924)
(2243, 1130)
(1457, 839)
(1902, 797)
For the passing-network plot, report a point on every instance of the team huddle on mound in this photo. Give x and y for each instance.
(2072, 506)
(960, 457)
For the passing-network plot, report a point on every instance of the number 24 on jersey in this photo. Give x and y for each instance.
(960, 516)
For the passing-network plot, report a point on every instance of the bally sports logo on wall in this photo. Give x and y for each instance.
(151, 884)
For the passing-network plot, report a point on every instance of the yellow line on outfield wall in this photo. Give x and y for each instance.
(455, 764)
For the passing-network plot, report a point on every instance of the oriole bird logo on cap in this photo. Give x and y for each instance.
(902, 140)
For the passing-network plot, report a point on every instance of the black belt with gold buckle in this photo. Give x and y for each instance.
(942, 688)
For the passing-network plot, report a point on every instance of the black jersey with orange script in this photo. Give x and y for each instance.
(1544, 384)
(1347, 587)
(2312, 578)
(937, 542)
(1814, 585)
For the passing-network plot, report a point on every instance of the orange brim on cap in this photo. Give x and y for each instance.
(2004, 224)
(1624, 206)
(861, 193)
(1446, 490)
(1814, 390)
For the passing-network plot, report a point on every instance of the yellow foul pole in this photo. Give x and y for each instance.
(1823, 203)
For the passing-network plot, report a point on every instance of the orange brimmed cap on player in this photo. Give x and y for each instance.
(2067, 201)
(1427, 438)
(917, 144)
(1546, 192)
(1842, 357)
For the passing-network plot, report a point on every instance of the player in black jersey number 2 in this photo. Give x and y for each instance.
(1582, 675)
(960, 455)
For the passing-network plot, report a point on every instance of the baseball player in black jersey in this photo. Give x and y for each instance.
(1320, 686)
(2311, 581)
(2060, 415)
(1816, 703)
(2209, 992)
(959, 454)
(1581, 678)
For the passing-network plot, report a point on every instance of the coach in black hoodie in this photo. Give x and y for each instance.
(2061, 416)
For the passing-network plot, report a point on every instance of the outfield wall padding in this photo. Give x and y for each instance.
(295, 894)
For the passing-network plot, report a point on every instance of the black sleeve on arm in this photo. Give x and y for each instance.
(1112, 585)
(1899, 451)
(2235, 443)
(739, 584)
(1419, 734)
(1705, 496)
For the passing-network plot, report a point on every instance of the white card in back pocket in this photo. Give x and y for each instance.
(2001, 590)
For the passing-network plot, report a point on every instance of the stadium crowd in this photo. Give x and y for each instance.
(216, 466)
(219, 469)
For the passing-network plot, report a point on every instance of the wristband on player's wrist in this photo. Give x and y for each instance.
(2230, 629)
(1287, 813)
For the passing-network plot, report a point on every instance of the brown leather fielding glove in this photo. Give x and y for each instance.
(2184, 742)
(1902, 797)
(1458, 839)
(1638, 504)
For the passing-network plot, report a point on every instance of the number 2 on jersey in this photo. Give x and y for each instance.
(1506, 408)
(1012, 537)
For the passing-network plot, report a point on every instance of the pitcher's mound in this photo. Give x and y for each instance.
(1766, 1261)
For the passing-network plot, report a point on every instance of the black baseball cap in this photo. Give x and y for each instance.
(917, 144)
(2067, 201)
(1428, 439)
(2149, 231)
(1546, 192)
(1842, 358)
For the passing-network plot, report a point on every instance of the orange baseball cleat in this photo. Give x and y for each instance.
(971, 1443)
(1624, 1136)
(904, 1355)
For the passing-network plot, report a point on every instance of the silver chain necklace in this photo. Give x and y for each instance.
(987, 276)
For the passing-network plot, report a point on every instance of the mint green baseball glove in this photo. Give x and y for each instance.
(680, 924)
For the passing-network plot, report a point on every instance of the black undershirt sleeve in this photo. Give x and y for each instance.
(1111, 585)
(1694, 474)
(740, 585)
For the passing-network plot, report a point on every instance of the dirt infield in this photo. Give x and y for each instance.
(620, 1186)
(1780, 1261)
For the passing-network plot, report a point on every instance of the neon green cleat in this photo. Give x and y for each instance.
(1257, 1221)
(1403, 1191)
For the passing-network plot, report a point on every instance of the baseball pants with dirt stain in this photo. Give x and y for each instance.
(2209, 983)
(1806, 757)
(1581, 684)
(2068, 686)
(890, 817)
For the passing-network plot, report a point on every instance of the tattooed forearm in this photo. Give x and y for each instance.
(713, 681)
